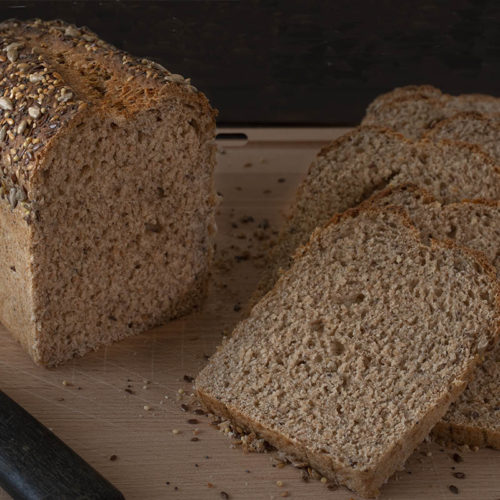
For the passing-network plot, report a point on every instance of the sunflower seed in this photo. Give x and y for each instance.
(34, 112)
(36, 77)
(6, 103)
(21, 127)
(13, 197)
(3, 131)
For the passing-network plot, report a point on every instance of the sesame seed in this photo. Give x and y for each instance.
(147, 407)
(65, 383)
(324, 480)
(279, 483)
(175, 431)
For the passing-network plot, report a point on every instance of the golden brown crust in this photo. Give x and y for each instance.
(52, 72)
(464, 115)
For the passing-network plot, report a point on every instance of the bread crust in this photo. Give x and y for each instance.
(50, 59)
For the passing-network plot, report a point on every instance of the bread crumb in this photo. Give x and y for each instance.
(176, 431)
(279, 483)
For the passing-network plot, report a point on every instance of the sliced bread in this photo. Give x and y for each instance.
(359, 349)
(413, 114)
(366, 160)
(474, 419)
(470, 127)
(406, 91)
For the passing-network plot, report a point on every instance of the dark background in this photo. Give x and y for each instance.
(302, 63)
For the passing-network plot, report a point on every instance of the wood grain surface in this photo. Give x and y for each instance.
(128, 410)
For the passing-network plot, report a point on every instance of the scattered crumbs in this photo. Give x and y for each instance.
(181, 391)
(176, 431)
(13, 268)
(279, 483)
(193, 421)
(281, 179)
(176, 488)
(146, 381)
(224, 495)
(196, 465)
(147, 407)
(247, 165)
(324, 480)
(184, 407)
(207, 457)
(195, 439)
(167, 482)
(144, 386)
(457, 458)
(459, 475)
(453, 467)
(129, 391)
(113, 458)
(199, 411)
(188, 378)
(453, 489)
(285, 494)
(237, 307)
(66, 383)
(210, 485)
(247, 471)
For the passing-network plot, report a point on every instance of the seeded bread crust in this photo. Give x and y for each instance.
(368, 481)
(474, 419)
(88, 257)
(54, 73)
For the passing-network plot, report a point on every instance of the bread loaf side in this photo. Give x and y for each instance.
(107, 210)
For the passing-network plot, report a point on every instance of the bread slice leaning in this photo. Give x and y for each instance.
(473, 128)
(366, 160)
(359, 349)
(474, 419)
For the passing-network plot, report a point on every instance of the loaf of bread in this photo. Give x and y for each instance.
(414, 110)
(470, 127)
(366, 160)
(359, 349)
(107, 209)
(474, 419)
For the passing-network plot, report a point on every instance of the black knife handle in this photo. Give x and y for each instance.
(36, 464)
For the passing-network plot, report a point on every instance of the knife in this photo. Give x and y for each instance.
(36, 464)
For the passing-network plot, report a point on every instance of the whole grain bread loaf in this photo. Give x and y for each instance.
(366, 160)
(474, 419)
(415, 110)
(107, 209)
(359, 349)
(470, 127)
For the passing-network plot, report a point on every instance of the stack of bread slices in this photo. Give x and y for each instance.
(377, 320)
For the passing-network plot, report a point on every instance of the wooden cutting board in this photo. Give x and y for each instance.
(127, 409)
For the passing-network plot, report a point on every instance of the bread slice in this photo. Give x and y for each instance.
(410, 115)
(366, 160)
(481, 103)
(474, 419)
(405, 92)
(108, 204)
(473, 128)
(359, 349)
(414, 112)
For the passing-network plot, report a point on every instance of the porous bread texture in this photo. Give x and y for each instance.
(405, 91)
(414, 110)
(474, 419)
(359, 348)
(470, 127)
(113, 232)
(366, 160)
